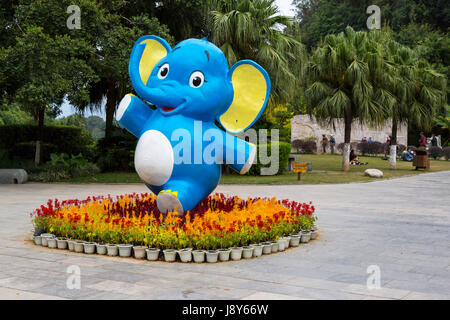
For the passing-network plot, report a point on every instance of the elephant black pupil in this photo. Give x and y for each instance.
(197, 81)
(164, 72)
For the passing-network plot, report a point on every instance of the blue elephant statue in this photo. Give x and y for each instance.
(190, 88)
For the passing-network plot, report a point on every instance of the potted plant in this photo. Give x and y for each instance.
(61, 243)
(152, 254)
(257, 249)
(267, 247)
(274, 246)
(212, 255)
(71, 244)
(224, 254)
(170, 255)
(306, 236)
(100, 248)
(295, 240)
(79, 247)
(112, 249)
(287, 240)
(139, 252)
(281, 244)
(51, 242)
(124, 249)
(37, 240)
(89, 247)
(247, 252)
(185, 254)
(314, 232)
(199, 255)
(44, 239)
(236, 253)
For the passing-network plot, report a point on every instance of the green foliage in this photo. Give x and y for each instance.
(284, 150)
(116, 153)
(19, 140)
(12, 114)
(61, 166)
(246, 29)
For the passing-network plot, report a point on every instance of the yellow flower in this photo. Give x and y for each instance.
(51, 229)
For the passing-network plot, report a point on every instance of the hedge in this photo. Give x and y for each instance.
(284, 152)
(20, 139)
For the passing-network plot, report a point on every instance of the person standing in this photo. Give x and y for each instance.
(332, 144)
(422, 140)
(324, 143)
(369, 146)
(434, 142)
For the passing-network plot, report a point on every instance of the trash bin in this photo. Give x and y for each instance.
(421, 159)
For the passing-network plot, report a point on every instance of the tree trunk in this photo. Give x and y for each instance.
(347, 136)
(111, 99)
(40, 136)
(393, 147)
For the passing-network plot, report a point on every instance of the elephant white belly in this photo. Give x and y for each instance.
(153, 158)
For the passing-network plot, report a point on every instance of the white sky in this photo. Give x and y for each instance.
(285, 7)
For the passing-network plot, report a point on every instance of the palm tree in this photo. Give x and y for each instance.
(253, 29)
(339, 82)
(410, 89)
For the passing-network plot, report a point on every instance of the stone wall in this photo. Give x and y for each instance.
(303, 126)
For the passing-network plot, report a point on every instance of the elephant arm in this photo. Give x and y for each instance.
(132, 114)
(238, 153)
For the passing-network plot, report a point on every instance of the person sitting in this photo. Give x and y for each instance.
(408, 155)
(354, 159)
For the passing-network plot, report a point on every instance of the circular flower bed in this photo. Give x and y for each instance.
(217, 222)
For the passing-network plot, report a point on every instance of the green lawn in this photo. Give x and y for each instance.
(331, 164)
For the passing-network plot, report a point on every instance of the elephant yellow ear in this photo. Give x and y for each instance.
(153, 52)
(251, 86)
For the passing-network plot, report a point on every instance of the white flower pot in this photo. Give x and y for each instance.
(224, 254)
(185, 254)
(267, 247)
(170, 255)
(139, 252)
(199, 256)
(89, 247)
(306, 236)
(44, 239)
(313, 234)
(124, 250)
(212, 255)
(101, 249)
(295, 240)
(247, 252)
(257, 249)
(274, 246)
(51, 243)
(79, 246)
(288, 241)
(61, 243)
(37, 240)
(236, 253)
(281, 244)
(152, 254)
(112, 250)
(71, 245)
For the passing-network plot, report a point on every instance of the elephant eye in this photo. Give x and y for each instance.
(163, 71)
(197, 79)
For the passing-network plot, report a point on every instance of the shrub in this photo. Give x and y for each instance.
(400, 149)
(363, 147)
(446, 152)
(297, 144)
(284, 150)
(116, 152)
(436, 152)
(309, 146)
(20, 140)
(61, 166)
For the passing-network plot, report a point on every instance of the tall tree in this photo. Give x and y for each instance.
(339, 84)
(47, 69)
(253, 29)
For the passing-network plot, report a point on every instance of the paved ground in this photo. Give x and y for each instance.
(401, 226)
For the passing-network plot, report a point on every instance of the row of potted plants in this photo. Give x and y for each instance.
(184, 255)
